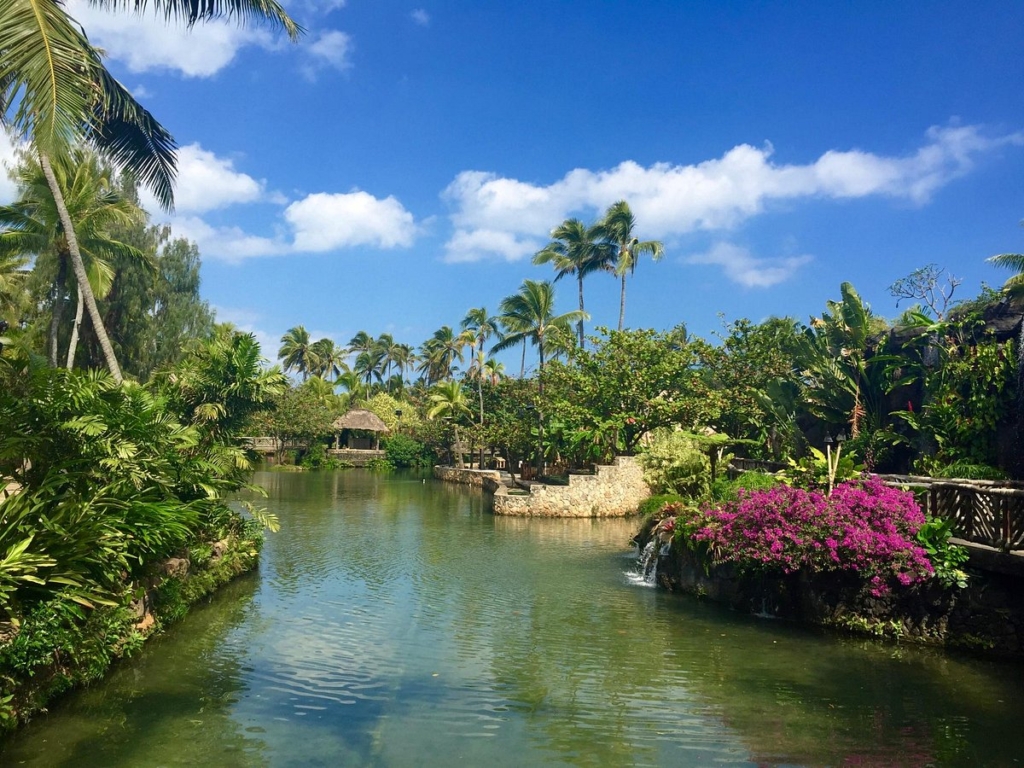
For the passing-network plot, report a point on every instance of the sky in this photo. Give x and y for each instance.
(403, 161)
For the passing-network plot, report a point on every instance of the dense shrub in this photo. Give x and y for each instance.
(674, 463)
(404, 451)
(654, 504)
(725, 489)
(864, 527)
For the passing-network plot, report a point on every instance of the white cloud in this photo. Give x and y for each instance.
(741, 267)
(718, 194)
(146, 42)
(8, 159)
(421, 17)
(207, 182)
(245, 321)
(331, 49)
(324, 222)
(141, 92)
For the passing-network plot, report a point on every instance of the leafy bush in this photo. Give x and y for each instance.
(379, 465)
(965, 470)
(812, 471)
(673, 463)
(946, 558)
(654, 504)
(728, 490)
(404, 451)
(864, 527)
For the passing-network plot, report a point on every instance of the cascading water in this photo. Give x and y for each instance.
(648, 563)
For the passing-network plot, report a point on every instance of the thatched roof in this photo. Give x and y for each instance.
(359, 418)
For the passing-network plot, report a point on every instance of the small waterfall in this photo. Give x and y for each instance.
(647, 563)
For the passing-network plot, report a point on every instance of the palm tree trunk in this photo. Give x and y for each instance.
(540, 405)
(78, 267)
(73, 344)
(458, 448)
(580, 278)
(522, 365)
(622, 302)
(58, 307)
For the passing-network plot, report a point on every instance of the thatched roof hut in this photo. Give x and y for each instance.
(351, 430)
(360, 418)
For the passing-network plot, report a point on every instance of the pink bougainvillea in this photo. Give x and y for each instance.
(864, 527)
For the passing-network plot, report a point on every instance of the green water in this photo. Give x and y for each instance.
(395, 622)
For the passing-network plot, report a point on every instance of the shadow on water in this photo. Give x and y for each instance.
(396, 622)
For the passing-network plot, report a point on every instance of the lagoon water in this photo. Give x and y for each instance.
(396, 622)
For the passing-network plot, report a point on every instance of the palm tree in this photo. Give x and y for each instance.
(34, 227)
(56, 92)
(439, 353)
(12, 281)
(618, 225)
(361, 342)
(530, 316)
(579, 250)
(369, 365)
(326, 359)
(352, 384)
(296, 352)
(448, 401)
(481, 327)
(493, 371)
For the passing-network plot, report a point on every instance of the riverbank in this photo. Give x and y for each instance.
(61, 645)
(986, 616)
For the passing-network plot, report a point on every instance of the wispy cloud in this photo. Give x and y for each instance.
(717, 194)
(421, 17)
(743, 268)
(331, 50)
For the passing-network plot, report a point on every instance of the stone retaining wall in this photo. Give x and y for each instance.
(614, 490)
(474, 477)
(986, 616)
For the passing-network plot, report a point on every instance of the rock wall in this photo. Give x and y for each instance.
(988, 615)
(475, 477)
(614, 490)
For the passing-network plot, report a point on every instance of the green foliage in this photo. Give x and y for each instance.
(812, 470)
(653, 505)
(968, 471)
(404, 451)
(945, 558)
(725, 489)
(380, 465)
(627, 384)
(967, 397)
(673, 462)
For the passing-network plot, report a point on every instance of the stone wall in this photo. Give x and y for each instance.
(987, 616)
(474, 477)
(615, 490)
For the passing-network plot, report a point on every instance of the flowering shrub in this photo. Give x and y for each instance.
(864, 527)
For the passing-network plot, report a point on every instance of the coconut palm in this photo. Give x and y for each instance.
(352, 385)
(481, 327)
(369, 365)
(55, 92)
(493, 371)
(361, 342)
(296, 352)
(12, 285)
(618, 225)
(530, 316)
(439, 353)
(578, 250)
(34, 226)
(448, 401)
(326, 359)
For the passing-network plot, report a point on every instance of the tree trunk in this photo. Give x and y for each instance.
(622, 302)
(540, 405)
(58, 307)
(73, 344)
(580, 278)
(480, 390)
(522, 365)
(457, 448)
(78, 266)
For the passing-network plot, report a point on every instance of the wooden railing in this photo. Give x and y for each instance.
(983, 512)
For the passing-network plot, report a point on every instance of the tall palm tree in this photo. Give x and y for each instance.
(448, 401)
(370, 365)
(12, 282)
(326, 359)
(618, 225)
(34, 226)
(530, 316)
(481, 327)
(578, 250)
(361, 342)
(439, 353)
(55, 92)
(295, 352)
(493, 371)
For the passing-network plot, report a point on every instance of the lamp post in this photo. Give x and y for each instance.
(833, 462)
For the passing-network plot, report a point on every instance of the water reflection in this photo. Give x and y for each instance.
(397, 622)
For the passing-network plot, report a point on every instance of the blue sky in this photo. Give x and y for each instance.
(403, 161)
